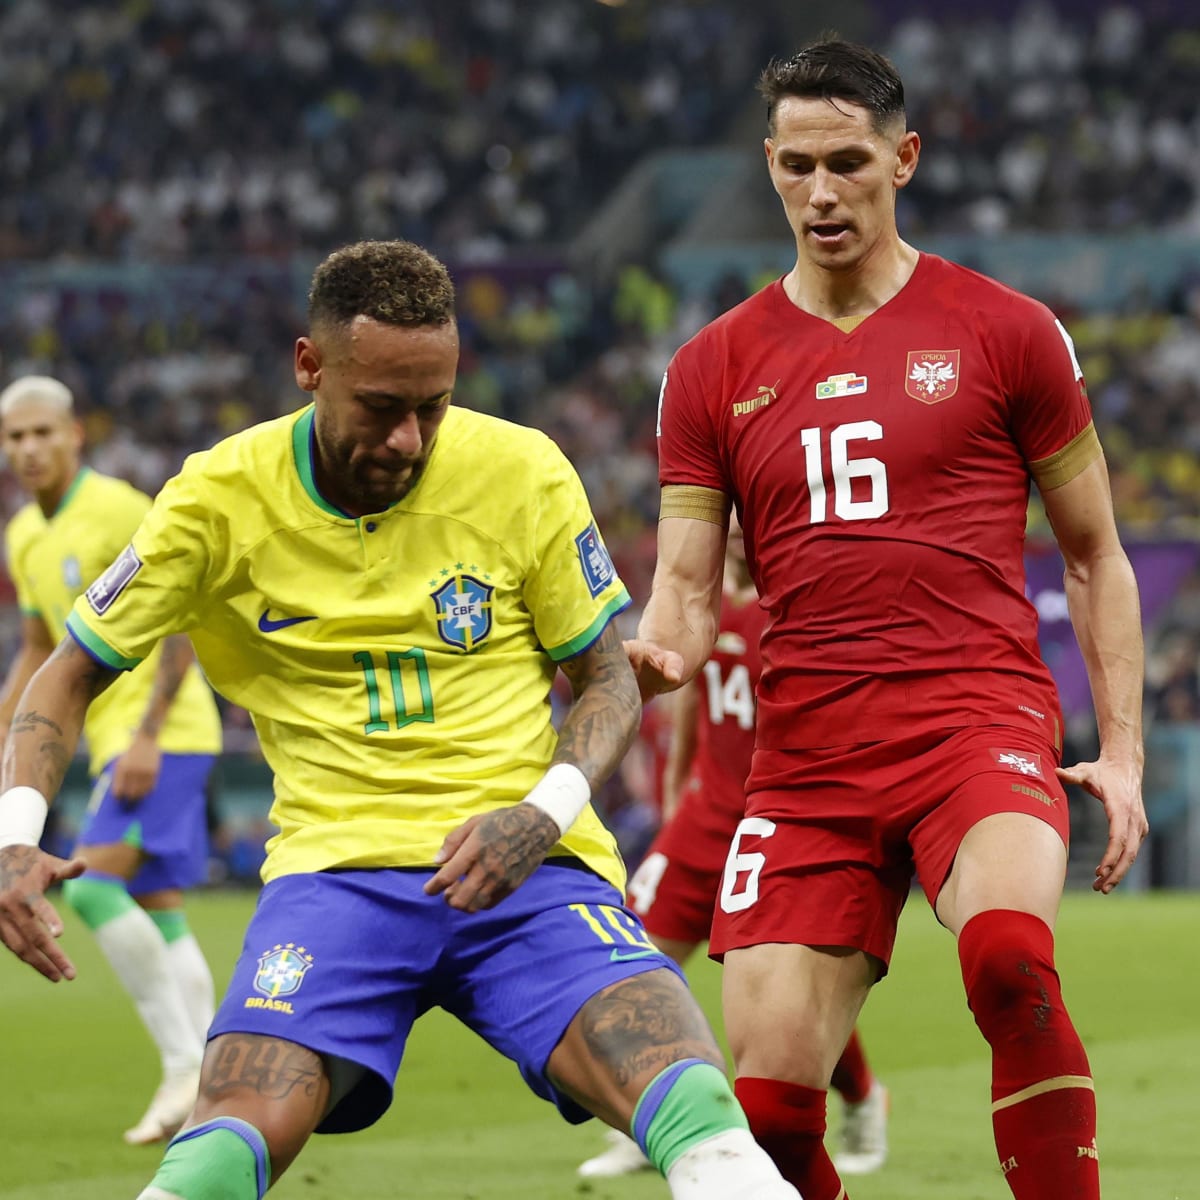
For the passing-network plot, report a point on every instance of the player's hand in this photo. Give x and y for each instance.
(136, 771)
(1118, 786)
(491, 855)
(28, 923)
(657, 670)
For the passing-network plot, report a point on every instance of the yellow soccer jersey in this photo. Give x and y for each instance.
(397, 666)
(52, 560)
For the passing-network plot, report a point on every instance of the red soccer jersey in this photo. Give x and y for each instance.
(882, 479)
(725, 710)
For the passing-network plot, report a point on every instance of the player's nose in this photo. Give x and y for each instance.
(824, 192)
(405, 436)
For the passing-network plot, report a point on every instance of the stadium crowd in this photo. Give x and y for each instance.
(492, 126)
(480, 126)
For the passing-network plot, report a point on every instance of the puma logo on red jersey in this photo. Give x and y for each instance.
(764, 397)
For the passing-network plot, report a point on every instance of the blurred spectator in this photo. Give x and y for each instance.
(1038, 120)
(266, 128)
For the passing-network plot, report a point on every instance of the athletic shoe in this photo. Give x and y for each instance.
(623, 1157)
(168, 1109)
(863, 1135)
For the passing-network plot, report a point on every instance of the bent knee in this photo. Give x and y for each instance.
(624, 1036)
(1008, 971)
(97, 899)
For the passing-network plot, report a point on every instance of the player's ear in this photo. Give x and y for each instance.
(769, 151)
(907, 154)
(308, 364)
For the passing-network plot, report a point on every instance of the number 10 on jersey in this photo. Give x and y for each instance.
(399, 664)
(844, 471)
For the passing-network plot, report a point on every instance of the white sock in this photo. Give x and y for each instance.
(195, 981)
(153, 1193)
(729, 1166)
(138, 954)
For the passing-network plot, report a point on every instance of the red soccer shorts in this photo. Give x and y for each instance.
(826, 856)
(674, 889)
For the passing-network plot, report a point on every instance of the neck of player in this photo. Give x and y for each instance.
(856, 291)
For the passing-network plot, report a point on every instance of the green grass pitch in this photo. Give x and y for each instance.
(76, 1069)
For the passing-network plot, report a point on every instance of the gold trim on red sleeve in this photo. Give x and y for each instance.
(699, 503)
(1063, 465)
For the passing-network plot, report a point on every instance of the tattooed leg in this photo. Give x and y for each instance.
(624, 1037)
(641, 1056)
(279, 1087)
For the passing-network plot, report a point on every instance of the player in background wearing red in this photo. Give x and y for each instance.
(877, 416)
(675, 888)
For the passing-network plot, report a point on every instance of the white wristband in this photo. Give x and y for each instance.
(562, 794)
(22, 816)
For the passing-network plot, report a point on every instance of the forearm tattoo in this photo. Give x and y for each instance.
(26, 722)
(19, 864)
(269, 1067)
(75, 679)
(644, 1024)
(513, 842)
(52, 757)
(604, 719)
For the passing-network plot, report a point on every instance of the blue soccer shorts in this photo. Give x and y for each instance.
(343, 962)
(168, 823)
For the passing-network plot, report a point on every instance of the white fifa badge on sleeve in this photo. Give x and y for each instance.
(114, 581)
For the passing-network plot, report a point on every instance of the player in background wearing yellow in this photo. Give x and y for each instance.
(674, 889)
(152, 741)
(388, 584)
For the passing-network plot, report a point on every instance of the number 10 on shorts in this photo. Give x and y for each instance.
(744, 866)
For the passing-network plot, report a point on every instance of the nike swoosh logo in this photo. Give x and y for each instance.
(266, 625)
(630, 955)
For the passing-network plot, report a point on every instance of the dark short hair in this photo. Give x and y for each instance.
(835, 70)
(396, 283)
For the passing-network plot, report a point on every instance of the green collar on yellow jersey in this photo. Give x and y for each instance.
(302, 440)
(72, 488)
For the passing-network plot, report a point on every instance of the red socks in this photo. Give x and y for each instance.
(1043, 1102)
(852, 1076)
(788, 1122)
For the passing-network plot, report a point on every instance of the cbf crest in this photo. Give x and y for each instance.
(464, 611)
(931, 375)
(72, 575)
(281, 970)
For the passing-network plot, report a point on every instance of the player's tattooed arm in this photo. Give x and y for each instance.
(491, 855)
(37, 753)
(50, 716)
(604, 719)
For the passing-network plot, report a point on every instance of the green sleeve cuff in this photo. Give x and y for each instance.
(621, 601)
(99, 649)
